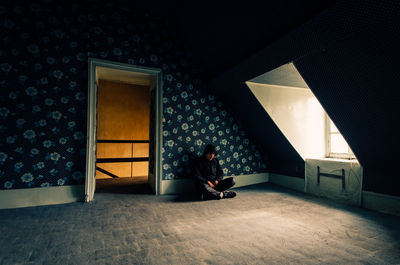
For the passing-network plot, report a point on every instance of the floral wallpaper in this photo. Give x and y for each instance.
(43, 103)
(194, 119)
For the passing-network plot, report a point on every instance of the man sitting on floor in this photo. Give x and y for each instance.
(208, 176)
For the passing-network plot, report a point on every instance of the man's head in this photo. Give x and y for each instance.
(209, 152)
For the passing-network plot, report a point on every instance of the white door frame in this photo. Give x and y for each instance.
(90, 180)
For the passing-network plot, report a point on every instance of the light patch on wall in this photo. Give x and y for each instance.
(296, 111)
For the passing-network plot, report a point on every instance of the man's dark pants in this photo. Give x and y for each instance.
(214, 193)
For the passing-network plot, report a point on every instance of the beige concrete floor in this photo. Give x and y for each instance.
(264, 224)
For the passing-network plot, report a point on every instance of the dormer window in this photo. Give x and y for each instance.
(336, 145)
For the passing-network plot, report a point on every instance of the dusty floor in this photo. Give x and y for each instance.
(264, 224)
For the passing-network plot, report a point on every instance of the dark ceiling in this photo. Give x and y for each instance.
(220, 34)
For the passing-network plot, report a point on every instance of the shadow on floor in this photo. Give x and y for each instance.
(186, 197)
(193, 196)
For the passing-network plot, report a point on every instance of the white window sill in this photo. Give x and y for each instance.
(333, 159)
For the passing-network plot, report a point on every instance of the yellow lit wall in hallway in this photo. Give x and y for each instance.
(123, 114)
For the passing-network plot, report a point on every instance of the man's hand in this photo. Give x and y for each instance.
(212, 185)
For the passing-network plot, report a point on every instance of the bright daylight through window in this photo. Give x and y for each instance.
(296, 111)
(336, 144)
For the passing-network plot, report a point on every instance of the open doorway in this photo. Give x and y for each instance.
(124, 127)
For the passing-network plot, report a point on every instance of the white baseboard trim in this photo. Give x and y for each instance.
(287, 181)
(381, 202)
(250, 179)
(370, 200)
(17, 198)
(177, 186)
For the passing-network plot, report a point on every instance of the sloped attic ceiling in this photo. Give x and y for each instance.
(348, 55)
(285, 75)
(357, 83)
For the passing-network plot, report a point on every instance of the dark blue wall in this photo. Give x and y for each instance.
(43, 103)
(357, 81)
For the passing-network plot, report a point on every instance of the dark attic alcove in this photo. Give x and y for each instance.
(349, 58)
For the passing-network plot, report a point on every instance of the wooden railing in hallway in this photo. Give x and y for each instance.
(120, 159)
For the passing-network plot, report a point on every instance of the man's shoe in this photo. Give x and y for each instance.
(229, 194)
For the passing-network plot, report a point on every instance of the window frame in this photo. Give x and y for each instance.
(349, 155)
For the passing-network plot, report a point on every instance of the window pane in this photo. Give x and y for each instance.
(333, 127)
(338, 144)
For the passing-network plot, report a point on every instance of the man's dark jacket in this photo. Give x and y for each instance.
(205, 170)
